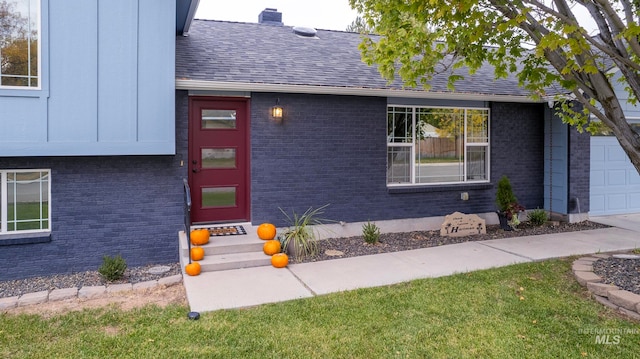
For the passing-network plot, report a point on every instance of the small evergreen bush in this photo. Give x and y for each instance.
(112, 268)
(371, 233)
(504, 194)
(538, 216)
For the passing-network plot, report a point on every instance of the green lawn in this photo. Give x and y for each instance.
(533, 310)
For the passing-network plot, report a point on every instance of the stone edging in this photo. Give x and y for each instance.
(88, 292)
(609, 295)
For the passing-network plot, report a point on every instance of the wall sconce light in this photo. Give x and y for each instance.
(276, 111)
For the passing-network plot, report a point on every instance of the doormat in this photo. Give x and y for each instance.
(227, 230)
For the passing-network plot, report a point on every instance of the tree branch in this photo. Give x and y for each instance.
(633, 40)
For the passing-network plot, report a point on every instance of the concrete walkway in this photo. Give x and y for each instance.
(253, 286)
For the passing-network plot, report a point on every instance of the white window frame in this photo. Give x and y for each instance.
(412, 145)
(38, 4)
(4, 202)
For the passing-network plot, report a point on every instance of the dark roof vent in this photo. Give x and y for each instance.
(304, 31)
(270, 17)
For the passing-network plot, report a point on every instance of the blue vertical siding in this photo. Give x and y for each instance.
(108, 83)
(118, 46)
(556, 167)
(73, 72)
(21, 123)
(156, 72)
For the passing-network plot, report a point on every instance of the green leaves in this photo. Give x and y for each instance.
(417, 36)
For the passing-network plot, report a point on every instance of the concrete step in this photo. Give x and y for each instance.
(229, 261)
(228, 252)
(226, 244)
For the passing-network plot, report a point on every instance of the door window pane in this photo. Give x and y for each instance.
(218, 197)
(218, 158)
(219, 119)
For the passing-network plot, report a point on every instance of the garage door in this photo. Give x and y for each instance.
(615, 183)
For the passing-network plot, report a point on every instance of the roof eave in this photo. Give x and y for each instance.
(185, 12)
(203, 85)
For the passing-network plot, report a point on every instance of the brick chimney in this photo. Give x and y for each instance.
(270, 17)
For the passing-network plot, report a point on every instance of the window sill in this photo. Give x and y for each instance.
(27, 92)
(440, 188)
(24, 238)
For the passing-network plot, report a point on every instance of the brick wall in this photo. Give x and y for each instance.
(332, 150)
(579, 171)
(517, 150)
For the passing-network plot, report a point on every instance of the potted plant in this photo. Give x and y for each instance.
(299, 240)
(508, 206)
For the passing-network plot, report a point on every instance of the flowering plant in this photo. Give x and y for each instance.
(512, 213)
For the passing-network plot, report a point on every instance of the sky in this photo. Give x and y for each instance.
(318, 14)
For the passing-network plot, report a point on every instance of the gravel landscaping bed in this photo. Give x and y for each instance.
(623, 273)
(394, 242)
(328, 249)
(78, 280)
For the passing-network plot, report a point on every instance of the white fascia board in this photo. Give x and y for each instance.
(201, 85)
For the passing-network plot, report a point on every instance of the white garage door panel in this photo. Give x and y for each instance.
(617, 178)
(597, 177)
(615, 183)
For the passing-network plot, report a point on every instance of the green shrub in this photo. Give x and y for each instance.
(371, 233)
(112, 268)
(538, 216)
(504, 194)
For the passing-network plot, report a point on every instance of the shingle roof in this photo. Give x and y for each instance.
(254, 53)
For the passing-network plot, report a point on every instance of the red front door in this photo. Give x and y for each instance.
(219, 159)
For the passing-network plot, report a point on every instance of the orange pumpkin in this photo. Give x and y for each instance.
(197, 253)
(193, 268)
(266, 231)
(279, 260)
(200, 237)
(271, 247)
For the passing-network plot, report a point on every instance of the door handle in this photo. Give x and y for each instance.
(195, 170)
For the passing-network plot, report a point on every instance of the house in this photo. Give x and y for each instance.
(346, 136)
(94, 150)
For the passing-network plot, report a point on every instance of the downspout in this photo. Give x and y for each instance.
(550, 103)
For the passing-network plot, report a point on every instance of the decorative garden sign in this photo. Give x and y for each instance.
(459, 224)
